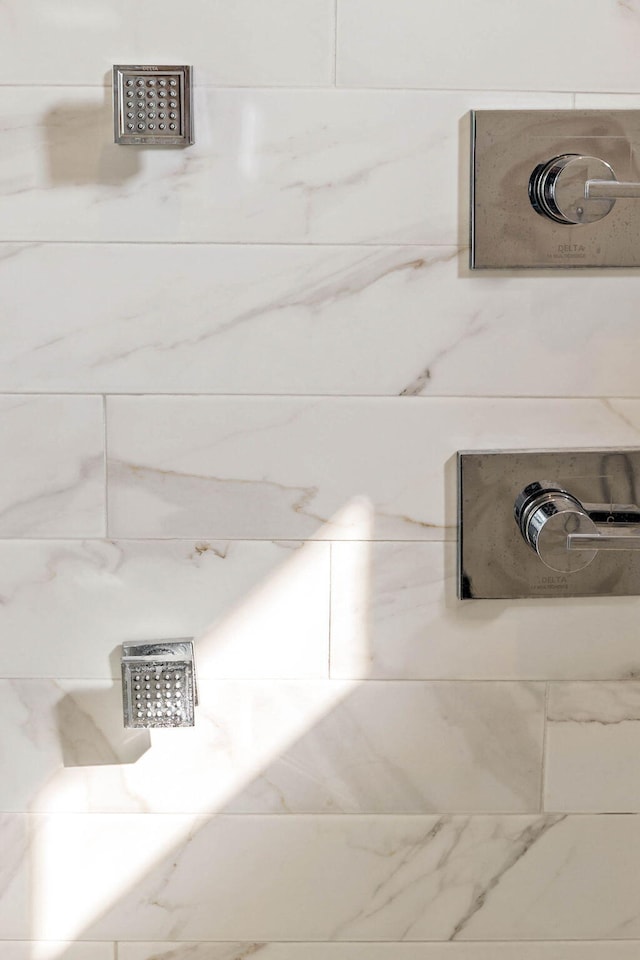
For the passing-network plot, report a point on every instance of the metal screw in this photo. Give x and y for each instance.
(172, 126)
(161, 126)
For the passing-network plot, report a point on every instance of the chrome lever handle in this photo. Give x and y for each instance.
(611, 190)
(603, 541)
(576, 189)
(556, 526)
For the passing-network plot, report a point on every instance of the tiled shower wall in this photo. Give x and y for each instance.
(234, 378)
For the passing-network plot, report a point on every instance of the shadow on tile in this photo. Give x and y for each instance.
(92, 732)
(80, 148)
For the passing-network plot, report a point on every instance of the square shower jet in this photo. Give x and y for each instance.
(152, 105)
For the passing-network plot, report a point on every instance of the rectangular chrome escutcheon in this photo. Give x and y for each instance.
(549, 523)
(152, 105)
(555, 188)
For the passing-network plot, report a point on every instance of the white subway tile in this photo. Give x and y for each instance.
(52, 449)
(311, 166)
(308, 320)
(354, 878)
(277, 747)
(593, 742)
(493, 45)
(324, 468)
(245, 42)
(54, 950)
(394, 614)
(255, 609)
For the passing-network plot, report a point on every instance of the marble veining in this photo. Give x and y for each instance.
(277, 746)
(280, 468)
(354, 878)
(592, 747)
(53, 481)
(408, 624)
(229, 595)
(233, 380)
(234, 319)
(268, 166)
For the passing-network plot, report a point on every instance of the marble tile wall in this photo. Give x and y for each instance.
(233, 380)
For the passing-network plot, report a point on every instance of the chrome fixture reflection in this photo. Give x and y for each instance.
(562, 532)
(159, 684)
(575, 535)
(577, 189)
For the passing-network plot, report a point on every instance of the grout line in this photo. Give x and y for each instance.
(350, 88)
(106, 462)
(267, 244)
(330, 397)
(116, 950)
(444, 944)
(380, 681)
(543, 772)
(335, 43)
(186, 538)
(215, 814)
(330, 638)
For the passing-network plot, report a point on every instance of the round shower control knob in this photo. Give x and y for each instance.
(547, 515)
(558, 189)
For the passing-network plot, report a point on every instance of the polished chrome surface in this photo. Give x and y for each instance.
(562, 531)
(611, 190)
(558, 189)
(522, 534)
(544, 187)
(159, 684)
(603, 541)
(152, 105)
(547, 517)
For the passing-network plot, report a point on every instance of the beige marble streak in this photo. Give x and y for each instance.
(67, 605)
(275, 746)
(375, 951)
(268, 166)
(53, 451)
(276, 467)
